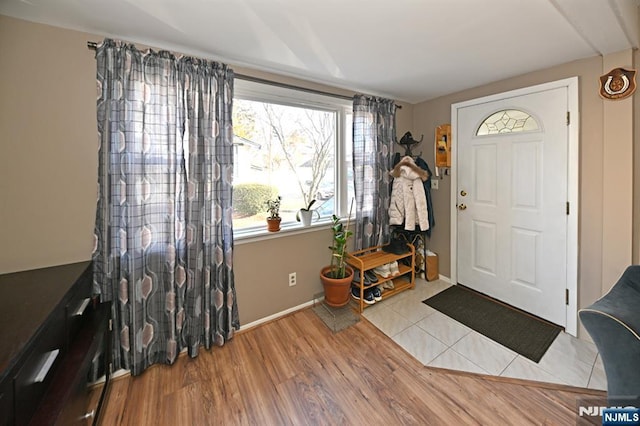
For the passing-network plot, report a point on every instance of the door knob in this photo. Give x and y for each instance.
(462, 207)
(463, 193)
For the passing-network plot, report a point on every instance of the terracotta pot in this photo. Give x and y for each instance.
(273, 225)
(337, 292)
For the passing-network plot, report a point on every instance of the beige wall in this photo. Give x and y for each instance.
(617, 161)
(48, 171)
(592, 144)
(48, 147)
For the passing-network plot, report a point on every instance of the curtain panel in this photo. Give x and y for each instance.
(163, 236)
(374, 131)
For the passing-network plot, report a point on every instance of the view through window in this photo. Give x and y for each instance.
(290, 148)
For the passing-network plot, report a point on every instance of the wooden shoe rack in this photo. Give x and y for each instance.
(372, 257)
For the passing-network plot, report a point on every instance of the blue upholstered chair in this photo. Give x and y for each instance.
(613, 321)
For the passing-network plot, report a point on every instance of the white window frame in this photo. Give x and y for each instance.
(261, 92)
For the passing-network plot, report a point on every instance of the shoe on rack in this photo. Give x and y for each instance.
(371, 276)
(368, 295)
(388, 285)
(383, 270)
(356, 278)
(377, 294)
(393, 268)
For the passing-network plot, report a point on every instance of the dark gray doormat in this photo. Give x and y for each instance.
(337, 319)
(521, 332)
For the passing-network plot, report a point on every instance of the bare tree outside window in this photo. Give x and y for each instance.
(289, 148)
(312, 139)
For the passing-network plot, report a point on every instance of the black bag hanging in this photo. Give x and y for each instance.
(398, 244)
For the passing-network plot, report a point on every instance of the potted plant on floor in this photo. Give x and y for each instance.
(336, 278)
(274, 219)
(305, 214)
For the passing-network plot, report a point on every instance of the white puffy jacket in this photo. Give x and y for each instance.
(408, 199)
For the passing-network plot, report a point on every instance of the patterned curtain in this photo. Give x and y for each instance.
(374, 130)
(164, 238)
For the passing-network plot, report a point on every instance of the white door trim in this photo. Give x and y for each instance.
(573, 159)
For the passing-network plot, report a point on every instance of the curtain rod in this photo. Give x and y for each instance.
(92, 45)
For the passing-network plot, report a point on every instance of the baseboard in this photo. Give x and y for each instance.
(445, 279)
(118, 374)
(299, 307)
(276, 315)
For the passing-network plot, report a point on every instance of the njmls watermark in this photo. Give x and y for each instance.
(608, 412)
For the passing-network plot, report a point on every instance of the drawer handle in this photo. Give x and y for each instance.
(46, 366)
(81, 307)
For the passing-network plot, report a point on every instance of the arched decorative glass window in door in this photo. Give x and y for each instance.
(508, 121)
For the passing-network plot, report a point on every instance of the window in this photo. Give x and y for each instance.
(293, 144)
(507, 121)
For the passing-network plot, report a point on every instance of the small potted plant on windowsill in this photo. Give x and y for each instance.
(305, 214)
(336, 278)
(273, 220)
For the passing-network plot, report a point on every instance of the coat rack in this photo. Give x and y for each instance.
(407, 141)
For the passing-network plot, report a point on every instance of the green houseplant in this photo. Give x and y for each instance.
(336, 278)
(274, 219)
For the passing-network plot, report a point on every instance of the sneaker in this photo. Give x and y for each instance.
(393, 268)
(371, 276)
(388, 285)
(356, 277)
(377, 294)
(368, 295)
(383, 270)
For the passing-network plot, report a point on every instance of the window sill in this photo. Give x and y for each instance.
(287, 230)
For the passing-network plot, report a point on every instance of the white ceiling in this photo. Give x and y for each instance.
(409, 50)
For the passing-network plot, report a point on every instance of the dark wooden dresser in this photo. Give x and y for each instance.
(54, 343)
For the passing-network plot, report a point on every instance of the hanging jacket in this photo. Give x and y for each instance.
(427, 188)
(408, 199)
(427, 191)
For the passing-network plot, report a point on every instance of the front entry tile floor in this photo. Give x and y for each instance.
(439, 341)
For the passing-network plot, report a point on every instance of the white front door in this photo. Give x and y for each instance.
(512, 180)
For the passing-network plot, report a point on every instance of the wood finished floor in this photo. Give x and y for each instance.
(295, 371)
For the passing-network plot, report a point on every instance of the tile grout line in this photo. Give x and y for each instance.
(505, 368)
(481, 368)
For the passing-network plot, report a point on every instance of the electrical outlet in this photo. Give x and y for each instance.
(434, 183)
(292, 279)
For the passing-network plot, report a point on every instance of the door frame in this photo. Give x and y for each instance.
(573, 164)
